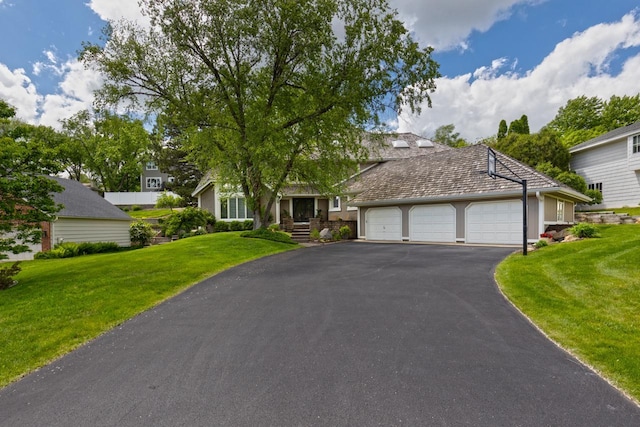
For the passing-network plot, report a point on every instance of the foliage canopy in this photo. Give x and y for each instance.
(264, 105)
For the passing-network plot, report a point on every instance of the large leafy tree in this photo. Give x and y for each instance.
(25, 191)
(268, 92)
(537, 148)
(447, 135)
(110, 148)
(578, 114)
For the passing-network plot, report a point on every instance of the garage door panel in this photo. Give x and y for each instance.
(384, 224)
(494, 222)
(435, 223)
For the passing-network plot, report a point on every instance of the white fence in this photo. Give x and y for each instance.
(138, 198)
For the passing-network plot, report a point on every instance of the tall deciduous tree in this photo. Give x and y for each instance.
(110, 148)
(447, 135)
(578, 114)
(537, 148)
(268, 91)
(25, 191)
(621, 111)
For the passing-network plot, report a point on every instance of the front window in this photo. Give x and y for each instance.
(335, 204)
(154, 183)
(635, 147)
(560, 210)
(235, 208)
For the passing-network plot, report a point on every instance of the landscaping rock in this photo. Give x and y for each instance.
(570, 238)
(325, 234)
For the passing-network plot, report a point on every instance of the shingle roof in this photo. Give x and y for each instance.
(456, 173)
(81, 202)
(606, 137)
(381, 146)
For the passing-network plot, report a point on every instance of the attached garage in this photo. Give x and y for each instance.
(435, 223)
(494, 222)
(384, 224)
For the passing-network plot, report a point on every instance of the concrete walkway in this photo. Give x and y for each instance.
(353, 334)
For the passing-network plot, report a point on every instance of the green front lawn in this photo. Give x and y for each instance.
(586, 296)
(151, 213)
(62, 303)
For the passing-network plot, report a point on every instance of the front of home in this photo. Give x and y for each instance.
(418, 191)
(610, 163)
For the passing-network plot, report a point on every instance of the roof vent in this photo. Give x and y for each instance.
(398, 143)
(423, 143)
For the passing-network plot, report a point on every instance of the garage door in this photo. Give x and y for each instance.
(494, 222)
(384, 224)
(432, 223)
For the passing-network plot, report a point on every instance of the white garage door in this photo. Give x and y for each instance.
(384, 224)
(494, 222)
(435, 223)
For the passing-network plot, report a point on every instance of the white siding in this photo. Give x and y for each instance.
(608, 164)
(90, 230)
(24, 256)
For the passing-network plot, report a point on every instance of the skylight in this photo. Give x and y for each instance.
(398, 143)
(423, 143)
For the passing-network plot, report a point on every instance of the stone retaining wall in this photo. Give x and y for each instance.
(333, 226)
(606, 218)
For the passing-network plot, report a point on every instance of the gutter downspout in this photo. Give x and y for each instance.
(540, 198)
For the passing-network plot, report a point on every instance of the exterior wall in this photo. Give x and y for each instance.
(207, 200)
(150, 173)
(323, 205)
(609, 164)
(90, 230)
(24, 256)
(345, 213)
(551, 211)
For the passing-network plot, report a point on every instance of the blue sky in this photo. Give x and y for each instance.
(499, 58)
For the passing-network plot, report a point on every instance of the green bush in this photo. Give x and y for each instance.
(265, 233)
(248, 225)
(221, 227)
(136, 208)
(166, 200)
(140, 233)
(541, 244)
(274, 227)
(71, 249)
(584, 230)
(7, 274)
(236, 226)
(596, 196)
(186, 220)
(314, 234)
(345, 232)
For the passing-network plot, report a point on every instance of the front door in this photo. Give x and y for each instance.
(303, 209)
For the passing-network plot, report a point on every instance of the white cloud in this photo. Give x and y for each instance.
(579, 65)
(17, 89)
(113, 10)
(447, 24)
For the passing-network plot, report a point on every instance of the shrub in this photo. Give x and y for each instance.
(167, 200)
(265, 233)
(314, 234)
(584, 230)
(136, 208)
(344, 232)
(248, 225)
(274, 227)
(186, 220)
(221, 227)
(236, 226)
(71, 249)
(596, 196)
(541, 244)
(7, 274)
(140, 233)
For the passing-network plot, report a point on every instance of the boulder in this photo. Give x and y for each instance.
(325, 234)
(570, 238)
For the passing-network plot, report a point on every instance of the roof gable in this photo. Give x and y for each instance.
(81, 202)
(605, 138)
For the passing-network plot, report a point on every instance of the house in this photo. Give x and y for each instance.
(86, 217)
(302, 202)
(610, 163)
(449, 197)
(153, 179)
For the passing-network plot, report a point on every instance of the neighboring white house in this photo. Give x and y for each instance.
(610, 163)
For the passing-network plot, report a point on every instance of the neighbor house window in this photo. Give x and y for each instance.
(596, 186)
(560, 210)
(635, 146)
(151, 166)
(234, 208)
(154, 183)
(335, 204)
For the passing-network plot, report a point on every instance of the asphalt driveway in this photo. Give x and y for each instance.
(341, 335)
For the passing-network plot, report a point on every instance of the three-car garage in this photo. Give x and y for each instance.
(490, 222)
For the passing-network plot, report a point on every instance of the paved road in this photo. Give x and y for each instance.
(341, 335)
